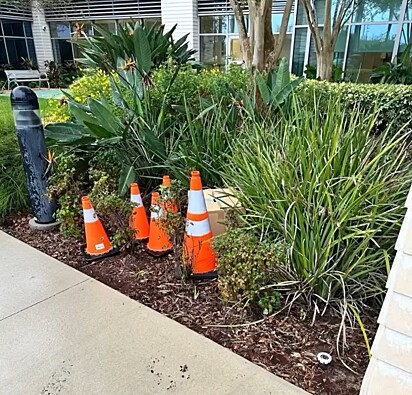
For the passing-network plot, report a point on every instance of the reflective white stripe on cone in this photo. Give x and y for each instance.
(136, 199)
(197, 228)
(197, 204)
(156, 212)
(89, 215)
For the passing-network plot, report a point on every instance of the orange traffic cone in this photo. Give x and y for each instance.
(159, 243)
(138, 221)
(198, 254)
(98, 245)
(170, 202)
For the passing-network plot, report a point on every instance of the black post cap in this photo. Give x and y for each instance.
(24, 98)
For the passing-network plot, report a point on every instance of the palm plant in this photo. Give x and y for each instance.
(148, 46)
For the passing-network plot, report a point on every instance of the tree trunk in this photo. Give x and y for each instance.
(325, 63)
(257, 9)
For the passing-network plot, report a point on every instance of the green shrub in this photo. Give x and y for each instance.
(247, 268)
(333, 189)
(73, 177)
(212, 84)
(146, 140)
(392, 103)
(62, 75)
(67, 184)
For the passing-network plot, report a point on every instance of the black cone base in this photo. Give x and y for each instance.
(157, 254)
(93, 258)
(204, 276)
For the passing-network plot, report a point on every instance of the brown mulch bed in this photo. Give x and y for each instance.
(285, 344)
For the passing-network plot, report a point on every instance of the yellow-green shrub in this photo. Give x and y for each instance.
(93, 84)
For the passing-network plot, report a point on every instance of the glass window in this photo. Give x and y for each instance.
(3, 54)
(370, 46)
(32, 51)
(124, 22)
(214, 24)
(62, 51)
(375, 11)
(236, 53)
(285, 53)
(13, 28)
(60, 30)
(320, 10)
(406, 37)
(152, 21)
(16, 47)
(108, 25)
(27, 29)
(233, 25)
(408, 12)
(213, 50)
(132, 22)
(338, 55)
(340, 46)
(277, 21)
(85, 27)
(299, 51)
(312, 52)
(77, 52)
(301, 16)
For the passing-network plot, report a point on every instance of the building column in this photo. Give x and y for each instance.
(41, 36)
(184, 14)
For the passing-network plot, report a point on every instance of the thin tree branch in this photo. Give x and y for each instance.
(313, 24)
(245, 42)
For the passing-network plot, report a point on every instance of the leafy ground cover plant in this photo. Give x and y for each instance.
(247, 268)
(74, 177)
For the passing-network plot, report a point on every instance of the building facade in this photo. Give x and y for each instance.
(377, 32)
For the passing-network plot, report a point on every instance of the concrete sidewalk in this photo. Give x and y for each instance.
(62, 332)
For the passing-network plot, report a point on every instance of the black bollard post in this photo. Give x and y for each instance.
(33, 149)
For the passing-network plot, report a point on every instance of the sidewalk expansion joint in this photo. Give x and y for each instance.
(43, 300)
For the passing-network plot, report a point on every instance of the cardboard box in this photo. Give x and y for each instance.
(218, 201)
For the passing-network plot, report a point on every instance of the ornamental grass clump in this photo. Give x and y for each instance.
(333, 190)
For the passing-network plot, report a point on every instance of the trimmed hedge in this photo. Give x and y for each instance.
(394, 102)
